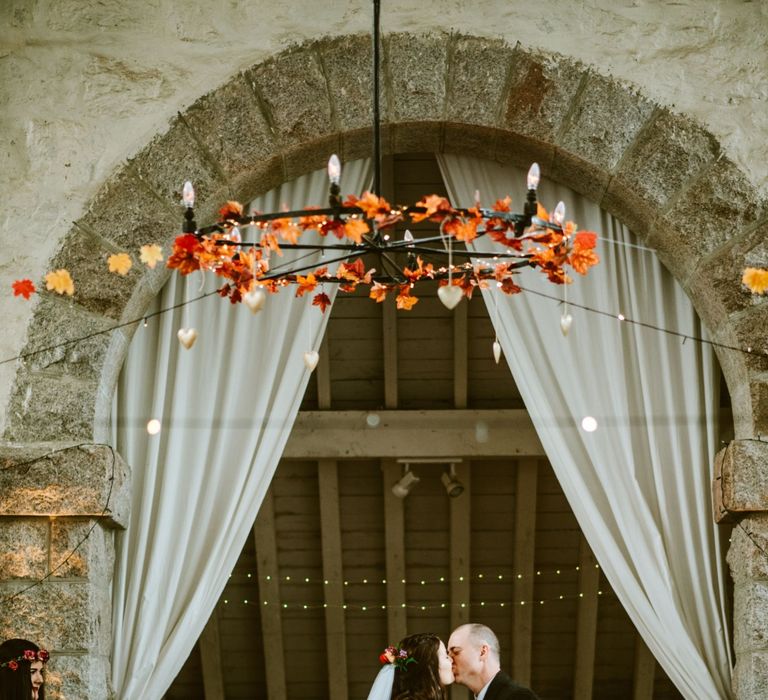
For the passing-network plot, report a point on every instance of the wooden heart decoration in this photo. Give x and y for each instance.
(450, 295)
(565, 323)
(187, 337)
(311, 358)
(254, 299)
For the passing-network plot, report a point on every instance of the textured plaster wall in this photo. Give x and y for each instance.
(85, 84)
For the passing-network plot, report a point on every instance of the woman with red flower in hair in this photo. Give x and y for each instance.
(418, 668)
(21, 670)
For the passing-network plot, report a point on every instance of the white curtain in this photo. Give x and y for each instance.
(640, 484)
(226, 407)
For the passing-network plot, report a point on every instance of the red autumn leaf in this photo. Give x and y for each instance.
(433, 206)
(582, 259)
(322, 300)
(354, 272)
(374, 207)
(463, 230)
(231, 210)
(334, 226)
(509, 287)
(314, 221)
(23, 288)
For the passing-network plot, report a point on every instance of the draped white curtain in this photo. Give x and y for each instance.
(227, 407)
(640, 484)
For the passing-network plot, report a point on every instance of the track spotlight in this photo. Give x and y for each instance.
(453, 487)
(403, 487)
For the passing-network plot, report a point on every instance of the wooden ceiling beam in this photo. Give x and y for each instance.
(644, 671)
(323, 375)
(460, 529)
(435, 433)
(523, 563)
(389, 340)
(586, 622)
(333, 575)
(269, 589)
(394, 538)
(210, 658)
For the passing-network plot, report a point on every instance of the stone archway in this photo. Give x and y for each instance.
(658, 171)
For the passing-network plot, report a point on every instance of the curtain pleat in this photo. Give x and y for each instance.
(226, 407)
(640, 484)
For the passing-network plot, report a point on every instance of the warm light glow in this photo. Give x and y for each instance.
(153, 426)
(589, 424)
(334, 169)
(188, 195)
(534, 175)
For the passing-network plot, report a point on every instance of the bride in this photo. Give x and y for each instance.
(418, 668)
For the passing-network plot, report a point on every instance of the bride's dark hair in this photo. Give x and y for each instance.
(419, 680)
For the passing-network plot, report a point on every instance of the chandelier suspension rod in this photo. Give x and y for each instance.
(376, 114)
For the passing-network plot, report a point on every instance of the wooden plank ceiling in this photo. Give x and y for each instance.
(338, 567)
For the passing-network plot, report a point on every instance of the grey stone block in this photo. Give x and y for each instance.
(666, 155)
(171, 159)
(715, 207)
(81, 548)
(23, 548)
(750, 676)
(57, 480)
(78, 677)
(476, 81)
(717, 286)
(294, 95)
(97, 289)
(743, 476)
(416, 68)
(747, 553)
(750, 616)
(128, 213)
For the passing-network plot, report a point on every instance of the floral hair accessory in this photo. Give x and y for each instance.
(397, 657)
(28, 655)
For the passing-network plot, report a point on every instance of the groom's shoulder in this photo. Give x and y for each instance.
(504, 688)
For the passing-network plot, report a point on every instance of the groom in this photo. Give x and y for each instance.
(474, 651)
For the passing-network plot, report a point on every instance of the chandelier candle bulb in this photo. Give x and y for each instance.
(558, 215)
(334, 170)
(534, 175)
(188, 195)
(496, 351)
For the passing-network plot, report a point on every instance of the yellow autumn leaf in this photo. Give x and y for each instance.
(756, 279)
(120, 263)
(60, 282)
(150, 255)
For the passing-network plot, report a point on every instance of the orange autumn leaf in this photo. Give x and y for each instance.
(541, 212)
(59, 281)
(287, 230)
(585, 240)
(373, 207)
(503, 204)
(322, 300)
(305, 284)
(432, 205)
(582, 259)
(465, 230)
(355, 228)
(150, 255)
(120, 263)
(378, 292)
(404, 300)
(756, 280)
(354, 272)
(23, 288)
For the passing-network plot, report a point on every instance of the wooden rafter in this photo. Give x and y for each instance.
(335, 627)
(394, 527)
(523, 564)
(210, 658)
(460, 354)
(269, 590)
(644, 671)
(460, 515)
(586, 622)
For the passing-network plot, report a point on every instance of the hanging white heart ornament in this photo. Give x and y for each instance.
(311, 358)
(254, 299)
(496, 351)
(187, 337)
(450, 295)
(565, 323)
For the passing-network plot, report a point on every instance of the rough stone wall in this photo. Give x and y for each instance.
(84, 84)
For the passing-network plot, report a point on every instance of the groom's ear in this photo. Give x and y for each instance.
(484, 649)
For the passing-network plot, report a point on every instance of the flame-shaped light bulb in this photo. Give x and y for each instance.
(534, 175)
(334, 169)
(188, 195)
(408, 238)
(558, 215)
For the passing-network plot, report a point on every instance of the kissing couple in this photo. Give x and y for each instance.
(420, 667)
